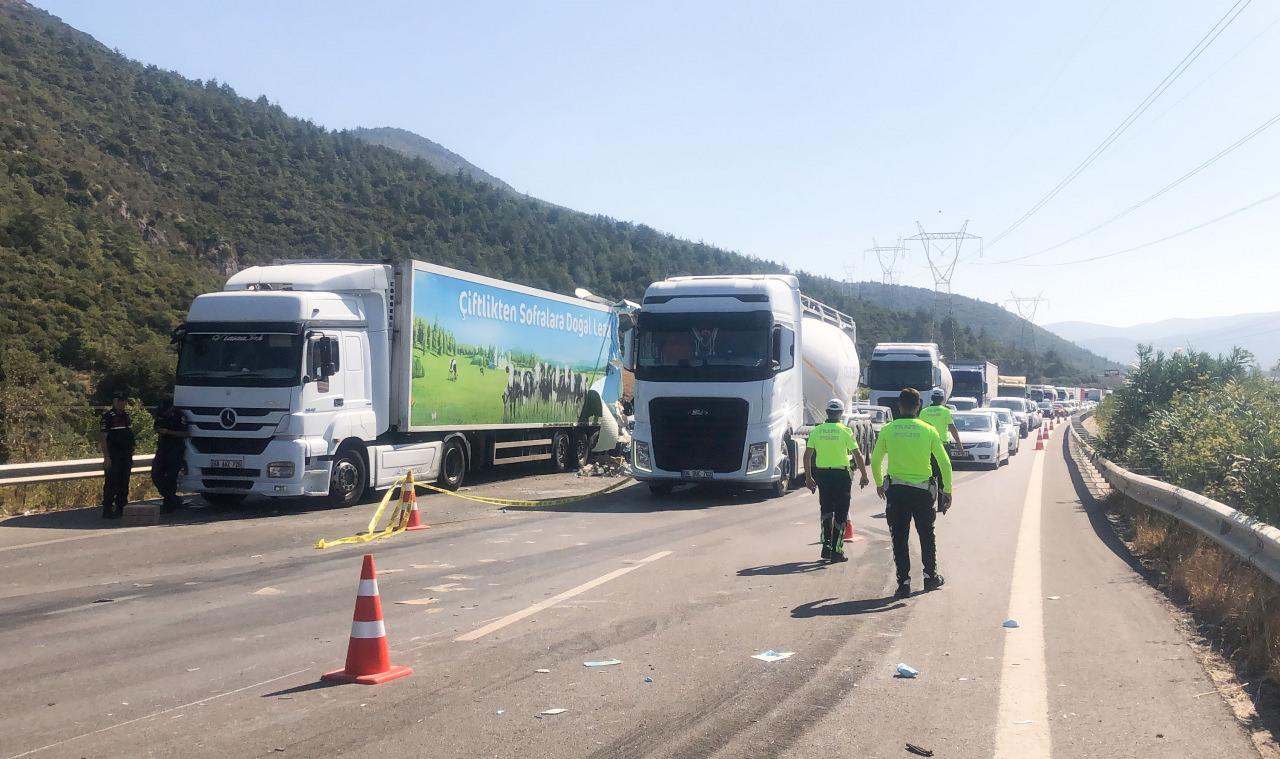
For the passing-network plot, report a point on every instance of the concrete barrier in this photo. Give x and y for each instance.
(1249, 539)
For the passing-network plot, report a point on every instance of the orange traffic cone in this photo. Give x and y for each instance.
(848, 529)
(409, 495)
(368, 661)
(1040, 442)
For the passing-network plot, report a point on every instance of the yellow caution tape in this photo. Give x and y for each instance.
(533, 503)
(400, 516)
(396, 524)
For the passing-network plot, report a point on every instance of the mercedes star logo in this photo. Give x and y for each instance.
(227, 418)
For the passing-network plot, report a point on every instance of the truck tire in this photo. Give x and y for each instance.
(561, 451)
(224, 500)
(453, 465)
(783, 484)
(348, 478)
(583, 442)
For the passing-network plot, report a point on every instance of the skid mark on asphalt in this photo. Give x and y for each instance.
(541, 605)
(94, 604)
(1022, 719)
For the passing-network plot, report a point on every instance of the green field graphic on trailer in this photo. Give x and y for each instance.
(487, 355)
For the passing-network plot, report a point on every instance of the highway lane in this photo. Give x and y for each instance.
(219, 631)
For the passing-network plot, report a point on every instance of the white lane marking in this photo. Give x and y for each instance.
(156, 714)
(1022, 720)
(93, 605)
(541, 605)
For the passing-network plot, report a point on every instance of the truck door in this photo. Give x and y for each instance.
(326, 381)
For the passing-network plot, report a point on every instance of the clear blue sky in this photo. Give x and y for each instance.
(799, 133)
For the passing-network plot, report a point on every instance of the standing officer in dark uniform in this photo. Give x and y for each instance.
(117, 454)
(171, 435)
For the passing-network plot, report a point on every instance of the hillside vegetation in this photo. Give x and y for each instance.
(441, 158)
(127, 190)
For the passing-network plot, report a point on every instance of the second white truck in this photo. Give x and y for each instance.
(895, 366)
(730, 374)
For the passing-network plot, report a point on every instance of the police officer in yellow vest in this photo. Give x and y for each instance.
(826, 466)
(939, 415)
(909, 488)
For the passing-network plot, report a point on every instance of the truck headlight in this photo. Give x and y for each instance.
(280, 469)
(643, 459)
(757, 458)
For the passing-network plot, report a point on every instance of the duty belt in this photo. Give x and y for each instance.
(926, 485)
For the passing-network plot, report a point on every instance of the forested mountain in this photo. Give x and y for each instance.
(127, 190)
(416, 146)
(1257, 333)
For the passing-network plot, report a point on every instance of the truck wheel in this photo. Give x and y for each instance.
(783, 484)
(347, 479)
(453, 465)
(561, 451)
(582, 445)
(661, 488)
(224, 500)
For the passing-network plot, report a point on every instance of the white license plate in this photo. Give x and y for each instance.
(227, 463)
(697, 474)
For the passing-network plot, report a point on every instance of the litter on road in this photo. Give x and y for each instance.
(552, 712)
(772, 655)
(543, 671)
(906, 671)
(416, 602)
(1011, 623)
(1053, 598)
(648, 679)
(601, 663)
(914, 749)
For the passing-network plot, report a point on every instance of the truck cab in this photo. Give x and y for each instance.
(895, 366)
(277, 371)
(718, 386)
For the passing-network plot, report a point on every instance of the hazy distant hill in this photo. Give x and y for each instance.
(1258, 333)
(444, 160)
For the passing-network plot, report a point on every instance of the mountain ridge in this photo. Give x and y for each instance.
(415, 145)
(1258, 332)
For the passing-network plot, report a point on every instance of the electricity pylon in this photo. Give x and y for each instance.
(1026, 308)
(942, 251)
(888, 257)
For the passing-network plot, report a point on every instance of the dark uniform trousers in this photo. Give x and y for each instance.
(903, 505)
(835, 486)
(165, 468)
(115, 485)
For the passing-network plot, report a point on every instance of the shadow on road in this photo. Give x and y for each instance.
(1099, 520)
(196, 512)
(637, 499)
(847, 608)
(790, 568)
(317, 685)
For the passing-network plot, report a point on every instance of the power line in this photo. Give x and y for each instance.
(1206, 164)
(1166, 238)
(1173, 76)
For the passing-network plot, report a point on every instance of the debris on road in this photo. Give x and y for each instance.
(543, 671)
(772, 656)
(552, 712)
(607, 466)
(1011, 623)
(602, 663)
(906, 671)
(417, 602)
(266, 592)
(501, 711)
(1053, 598)
(648, 679)
(914, 749)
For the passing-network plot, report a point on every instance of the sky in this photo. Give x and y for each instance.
(803, 132)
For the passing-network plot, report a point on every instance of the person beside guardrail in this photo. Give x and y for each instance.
(909, 487)
(171, 435)
(117, 456)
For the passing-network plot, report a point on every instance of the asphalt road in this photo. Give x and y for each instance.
(206, 636)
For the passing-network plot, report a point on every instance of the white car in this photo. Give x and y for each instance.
(963, 403)
(880, 415)
(983, 442)
(1008, 425)
(1017, 407)
(1034, 419)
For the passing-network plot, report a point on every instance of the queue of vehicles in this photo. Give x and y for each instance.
(327, 379)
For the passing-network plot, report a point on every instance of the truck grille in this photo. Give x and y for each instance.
(210, 471)
(246, 446)
(699, 433)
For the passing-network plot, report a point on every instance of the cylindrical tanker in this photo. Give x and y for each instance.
(831, 368)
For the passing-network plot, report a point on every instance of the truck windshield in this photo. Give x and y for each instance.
(895, 375)
(710, 347)
(967, 383)
(246, 359)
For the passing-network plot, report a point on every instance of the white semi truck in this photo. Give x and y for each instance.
(731, 372)
(975, 379)
(327, 379)
(895, 366)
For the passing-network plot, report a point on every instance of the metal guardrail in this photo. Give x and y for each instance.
(59, 471)
(1249, 539)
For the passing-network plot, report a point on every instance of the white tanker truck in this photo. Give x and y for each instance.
(731, 372)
